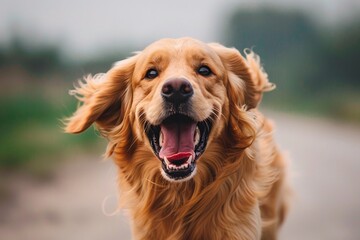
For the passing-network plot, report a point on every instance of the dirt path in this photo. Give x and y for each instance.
(69, 207)
(326, 166)
(326, 175)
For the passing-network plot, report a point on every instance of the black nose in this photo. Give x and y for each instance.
(177, 90)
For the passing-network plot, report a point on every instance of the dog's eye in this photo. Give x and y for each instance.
(151, 73)
(204, 71)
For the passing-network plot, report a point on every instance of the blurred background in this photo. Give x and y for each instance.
(54, 185)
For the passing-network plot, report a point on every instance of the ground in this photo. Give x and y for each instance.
(80, 202)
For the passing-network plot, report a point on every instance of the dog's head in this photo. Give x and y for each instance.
(175, 98)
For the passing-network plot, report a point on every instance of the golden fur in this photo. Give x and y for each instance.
(239, 189)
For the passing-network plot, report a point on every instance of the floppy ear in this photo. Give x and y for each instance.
(104, 98)
(246, 78)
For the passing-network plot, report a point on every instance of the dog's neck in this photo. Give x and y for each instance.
(193, 208)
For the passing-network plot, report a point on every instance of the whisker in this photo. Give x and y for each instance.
(155, 184)
(133, 142)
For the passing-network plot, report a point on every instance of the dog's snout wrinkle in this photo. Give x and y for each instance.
(177, 90)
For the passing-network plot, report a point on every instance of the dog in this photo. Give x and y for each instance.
(196, 158)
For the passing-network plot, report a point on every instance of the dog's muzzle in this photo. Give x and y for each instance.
(178, 141)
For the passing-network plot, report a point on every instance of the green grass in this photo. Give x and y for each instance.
(340, 105)
(31, 132)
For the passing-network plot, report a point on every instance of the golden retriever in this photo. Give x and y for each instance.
(196, 159)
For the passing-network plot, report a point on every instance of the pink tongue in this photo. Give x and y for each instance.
(178, 140)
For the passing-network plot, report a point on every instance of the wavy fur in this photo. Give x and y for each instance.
(239, 189)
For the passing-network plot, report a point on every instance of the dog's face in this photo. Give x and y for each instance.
(177, 95)
(180, 92)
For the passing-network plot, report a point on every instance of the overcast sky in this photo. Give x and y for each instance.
(84, 27)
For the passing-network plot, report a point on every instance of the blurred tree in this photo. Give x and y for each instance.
(341, 54)
(310, 64)
(270, 32)
(37, 60)
(286, 42)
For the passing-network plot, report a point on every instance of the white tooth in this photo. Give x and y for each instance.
(161, 139)
(166, 161)
(197, 136)
(189, 159)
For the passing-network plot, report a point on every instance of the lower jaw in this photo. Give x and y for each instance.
(179, 176)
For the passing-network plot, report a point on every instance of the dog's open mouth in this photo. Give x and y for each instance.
(178, 142)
